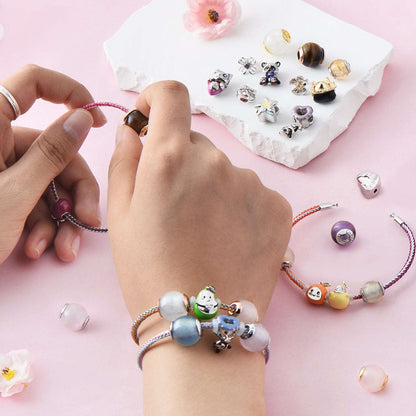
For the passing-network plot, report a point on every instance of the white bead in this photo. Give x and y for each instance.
(277, 42)
(173, 305)
(373, 378)
(258, 341)
(248, 312)
(74, 316)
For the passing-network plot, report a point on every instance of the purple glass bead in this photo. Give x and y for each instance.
(59, 208)
(343, 233)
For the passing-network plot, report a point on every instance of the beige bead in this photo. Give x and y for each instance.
(339, 68)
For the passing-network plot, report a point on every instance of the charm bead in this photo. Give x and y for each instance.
(74, 316)
(246, 94)
(288, 258)
(323, 91)
(271, 70)
(311, 54)
(277, 42)
(206, 306)
(316, 294)
(267, 111)
(259, 339)
(369, 183)
(186, 330)
(299, 85)
(218, 82)
(137, 121)
(173, 305)
(372, 292)
(248, 65)
(59, 208)
(343, 233)
(373, 378)
(303, 115)
(339, 68)
(339, 298)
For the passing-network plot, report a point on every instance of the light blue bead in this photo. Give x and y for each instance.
(186, 330)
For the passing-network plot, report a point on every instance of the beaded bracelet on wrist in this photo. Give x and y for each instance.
(187, 331)
(371, 292)
(173, 305)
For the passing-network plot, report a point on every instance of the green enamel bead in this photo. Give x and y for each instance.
(206, 306)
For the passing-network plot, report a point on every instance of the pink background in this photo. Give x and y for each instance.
(317, 351)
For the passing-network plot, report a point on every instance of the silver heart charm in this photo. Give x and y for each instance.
(369, 184)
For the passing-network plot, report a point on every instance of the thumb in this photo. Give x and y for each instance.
(51, 152)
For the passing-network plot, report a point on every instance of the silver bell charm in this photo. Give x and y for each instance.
(369, 183)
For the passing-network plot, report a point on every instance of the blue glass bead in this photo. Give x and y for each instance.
(229, 323)
(186, 330)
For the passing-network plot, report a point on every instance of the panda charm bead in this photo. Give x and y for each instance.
(218, 82)
(271, 70)
(206, 305)
(311, 54)
(343, 233)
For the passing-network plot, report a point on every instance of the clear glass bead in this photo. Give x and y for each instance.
(277, 42)
(74, 316)
(372, 292)
(258, 341)
(248, 312)
(173, 305)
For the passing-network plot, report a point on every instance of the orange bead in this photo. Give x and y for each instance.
(316, 294)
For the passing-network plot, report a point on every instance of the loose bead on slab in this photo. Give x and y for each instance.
(311, 54)
(372, 292)
(74, 316)
(316, 294)
(323, 91)
(339, 298)
(373, 378)
(186, 330)
(277, 42)
(258, 340)
(339, 68)
(343, 233)
(173, 305)
(137, 121)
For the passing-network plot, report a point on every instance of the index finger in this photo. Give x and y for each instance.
(166, 103)
(33, 82)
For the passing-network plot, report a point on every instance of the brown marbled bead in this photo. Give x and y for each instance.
(137, 121)
(311, 54)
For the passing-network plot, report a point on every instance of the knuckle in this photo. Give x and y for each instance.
(175, 87)
(52, 150)
(218, 160)
(31, 69)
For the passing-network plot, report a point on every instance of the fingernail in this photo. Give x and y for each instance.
(78, 124)
(75, 245)
(41, 247)
(119, 133)
(99, 216)
(102, 116)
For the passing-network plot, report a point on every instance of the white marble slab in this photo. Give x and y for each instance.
(152, 45)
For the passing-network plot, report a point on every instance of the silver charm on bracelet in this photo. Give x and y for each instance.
(302, 119)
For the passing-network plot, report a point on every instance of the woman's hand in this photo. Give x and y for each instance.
(181, 217)
(30, 159)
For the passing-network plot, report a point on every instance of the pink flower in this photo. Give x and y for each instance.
(211, 19)
(15, 372)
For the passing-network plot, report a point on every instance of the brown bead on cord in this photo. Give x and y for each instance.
(137, 121)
